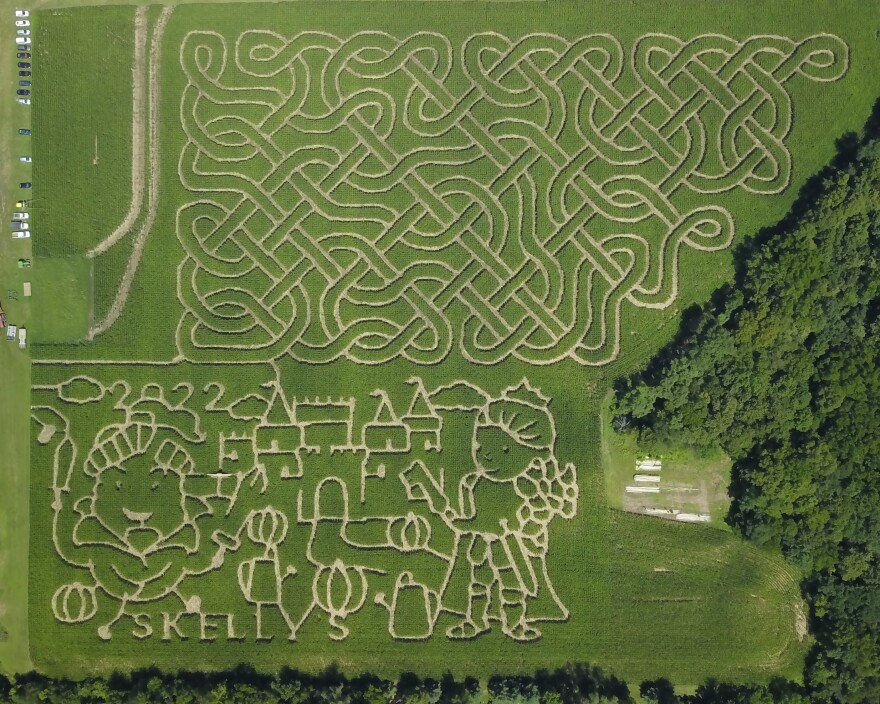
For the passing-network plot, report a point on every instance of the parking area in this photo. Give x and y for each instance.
(18, 205)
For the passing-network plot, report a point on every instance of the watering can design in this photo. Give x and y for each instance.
(413, 609)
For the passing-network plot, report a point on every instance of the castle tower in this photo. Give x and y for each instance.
(422, 419)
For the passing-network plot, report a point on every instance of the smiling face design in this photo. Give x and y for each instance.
(500, 452)
(140, 501)
(508, 437)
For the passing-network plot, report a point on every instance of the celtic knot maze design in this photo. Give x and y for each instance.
(374, 197)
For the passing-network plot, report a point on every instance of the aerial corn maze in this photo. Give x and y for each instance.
(354, 281)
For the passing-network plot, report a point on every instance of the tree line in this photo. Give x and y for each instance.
(782, 371)
(572, 684)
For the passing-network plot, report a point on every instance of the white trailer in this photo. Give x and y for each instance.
(693, 517)
(642, 489)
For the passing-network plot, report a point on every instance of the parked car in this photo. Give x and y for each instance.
(22, 23)
(24, 73)
(17, 225)
(21, 234)
(24, 83)
(24, 101)
(24, 41)
(23, 64)
(22, 91)
(21, 204)
(25, 159)
(25, 132)
(23, 32)
(20, 215)
(22, 13)
(25, 184)
(22, 55)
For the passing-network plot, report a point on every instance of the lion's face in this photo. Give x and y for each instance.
(140, 501)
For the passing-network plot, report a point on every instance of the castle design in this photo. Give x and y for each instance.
(313, 506)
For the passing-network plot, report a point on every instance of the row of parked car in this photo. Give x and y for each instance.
(23, 51)
(20, 217)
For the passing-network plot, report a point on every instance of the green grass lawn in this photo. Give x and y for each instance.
(62, 288)
(183, 379)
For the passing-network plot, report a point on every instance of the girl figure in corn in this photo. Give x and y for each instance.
(509, 500)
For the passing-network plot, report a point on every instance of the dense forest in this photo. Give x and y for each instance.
(782, 370)
(574, 684)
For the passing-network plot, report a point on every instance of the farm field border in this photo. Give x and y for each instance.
(102, 347)
(15, 369)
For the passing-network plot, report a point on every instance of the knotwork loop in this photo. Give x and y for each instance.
(365, 192)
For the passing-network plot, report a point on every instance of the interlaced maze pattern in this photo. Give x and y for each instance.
(315, 508)
(375, 197)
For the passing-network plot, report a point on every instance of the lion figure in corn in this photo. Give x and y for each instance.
(136, 514)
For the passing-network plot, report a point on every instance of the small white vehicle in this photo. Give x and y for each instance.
(24, 101)
(22, 40)
(20, 216)
(22, 23)
(21, 235)
(23, 32)
(22, 13)
(25, 159)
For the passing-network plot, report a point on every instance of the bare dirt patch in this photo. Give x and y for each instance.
(800, 621)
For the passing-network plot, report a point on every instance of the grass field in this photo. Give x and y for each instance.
(325, 258)
(63, 289)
